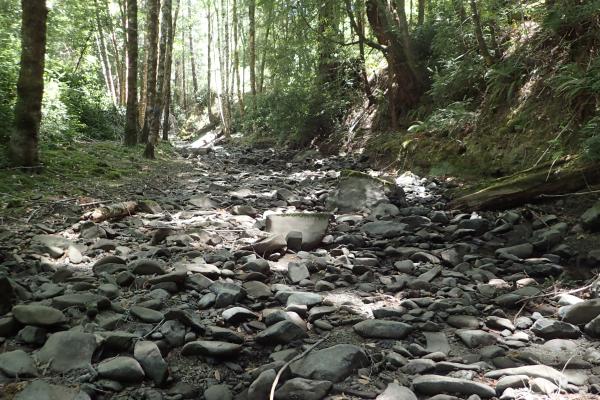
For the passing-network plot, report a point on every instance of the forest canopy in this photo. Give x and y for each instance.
(295, 72)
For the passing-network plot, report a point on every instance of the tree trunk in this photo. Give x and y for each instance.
(165, 32)
(120, 69)
(252, 48)
(184, 99)
(327, 64)
(263, 58)
(421, 14)
(222, 40)
(169, 66)
(151, 45)
(236, 58)
(23, 147)
(131, 124)
(192, 55)
(483, 48)
(358, 24)
(555, 178)
(391, 30)
(102, 49)
(209, 105)
(226, 70)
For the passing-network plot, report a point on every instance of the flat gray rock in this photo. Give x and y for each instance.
(121, 369)
(437, 342)
(211, 348)
(436, 384)
(218, 392)
(297, 272)
(80, 300)
(148, 355)
(582, 313)
(385, 229)
(40, 390)
(17, 364)
(38, 315)
(334, 363)
(474, 338)
(551, 329)
(382, 329)
(146, 314)
(67, 350)
(305, 389)
(261, 387)
(396, 392)
(532, 371)
(237, 315)
(281, 332)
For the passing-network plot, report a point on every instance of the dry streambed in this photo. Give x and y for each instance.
(263, 274)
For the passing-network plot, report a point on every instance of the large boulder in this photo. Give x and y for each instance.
(67, 350)
(38, 315)
(356, 193)
(591, 218)
(334, 363)
(40, 390)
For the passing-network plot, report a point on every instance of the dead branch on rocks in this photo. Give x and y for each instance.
(112, 211)
(287, 364)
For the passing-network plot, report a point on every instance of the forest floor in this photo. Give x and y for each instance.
(386, 294)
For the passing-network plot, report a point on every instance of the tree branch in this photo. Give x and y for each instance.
(358, 31)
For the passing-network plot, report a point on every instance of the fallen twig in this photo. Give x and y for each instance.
(551, 196)
(287, 364)
(581, 289)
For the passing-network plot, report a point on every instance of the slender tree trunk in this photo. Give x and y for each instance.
(209, 104)
(152, 44)
(165, 32)
(184, 98)
(104, 56)
(360, 25)
(495, 45)
(143, 90)
(192, 55)
(236, 58)
(252, 48)
(23, 146)
(131, 124)
(327, 63)
(483, 48)
(119, 67)
(421, 13)
(263, 59)
(226, 69)
(169, 66)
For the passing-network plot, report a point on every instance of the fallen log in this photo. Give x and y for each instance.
(112, 211)
(566, 175)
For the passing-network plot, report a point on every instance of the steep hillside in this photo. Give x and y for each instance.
(537, 102)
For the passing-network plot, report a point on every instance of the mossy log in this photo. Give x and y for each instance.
(112, 211)
(566, 175)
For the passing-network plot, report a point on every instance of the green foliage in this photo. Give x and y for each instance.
(458, 79)
(298, 114)
(74, 168)
(9, 64)
(574, 82)
(76, 107)
(448, 121)
(503, 80)
(591, 144)
(573, 18)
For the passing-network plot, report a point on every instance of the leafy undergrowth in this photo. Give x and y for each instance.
(89, 169)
